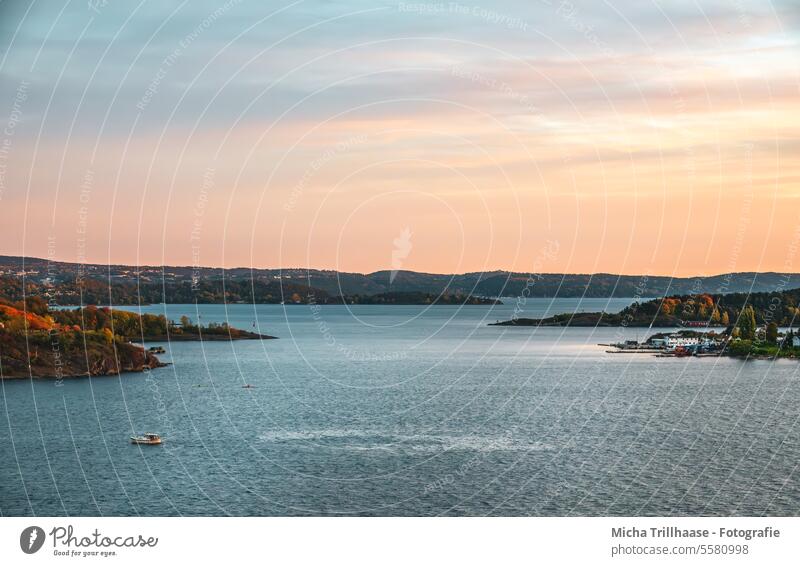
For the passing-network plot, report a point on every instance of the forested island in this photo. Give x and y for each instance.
(685, 310)
(36, 341)
(749, 324)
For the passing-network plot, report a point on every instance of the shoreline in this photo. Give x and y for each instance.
(119, 306)
(204, 337)
(16, 377)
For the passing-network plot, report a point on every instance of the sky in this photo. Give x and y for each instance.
(626, 137)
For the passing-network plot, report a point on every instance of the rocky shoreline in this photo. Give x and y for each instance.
(53, 362)
(36, 342)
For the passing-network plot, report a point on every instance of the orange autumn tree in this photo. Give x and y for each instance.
(669, 305)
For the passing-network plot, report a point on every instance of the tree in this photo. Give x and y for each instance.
(741, 348)
(772, 333)
(36, 305)
(725, 319)
(16, 325)
(186, 322)
(747, 323)
(669, 305)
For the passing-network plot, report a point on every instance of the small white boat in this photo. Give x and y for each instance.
(146, 438)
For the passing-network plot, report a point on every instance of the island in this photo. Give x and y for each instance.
(695, 311)
(37, 342)
(749, 325)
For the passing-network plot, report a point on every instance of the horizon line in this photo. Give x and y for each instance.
(365, 273)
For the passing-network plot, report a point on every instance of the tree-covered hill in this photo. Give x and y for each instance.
(121, 282)
(782, 308)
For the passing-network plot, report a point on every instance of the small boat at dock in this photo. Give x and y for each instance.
(146, 438)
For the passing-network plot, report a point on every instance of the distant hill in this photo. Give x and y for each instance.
(272, 285)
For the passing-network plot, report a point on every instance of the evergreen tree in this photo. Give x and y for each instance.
(772, 333)
(747, 323)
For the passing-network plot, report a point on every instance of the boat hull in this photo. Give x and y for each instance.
(149, 441)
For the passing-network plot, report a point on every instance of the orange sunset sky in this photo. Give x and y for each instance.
(638, 138)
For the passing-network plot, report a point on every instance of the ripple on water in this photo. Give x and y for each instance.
(360, 440)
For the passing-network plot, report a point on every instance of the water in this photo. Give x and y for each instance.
(407, 410)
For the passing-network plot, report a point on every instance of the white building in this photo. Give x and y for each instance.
(796, 341)
(675, 340)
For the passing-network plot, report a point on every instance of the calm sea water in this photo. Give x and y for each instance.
(373, 410)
